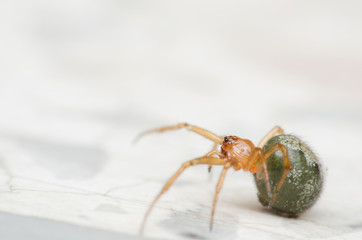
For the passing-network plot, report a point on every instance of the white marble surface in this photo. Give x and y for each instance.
(79, 80)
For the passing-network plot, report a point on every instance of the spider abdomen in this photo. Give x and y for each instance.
(303, 183)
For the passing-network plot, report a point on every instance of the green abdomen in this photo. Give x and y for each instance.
(303, 184)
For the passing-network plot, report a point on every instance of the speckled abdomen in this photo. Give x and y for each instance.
(304, 181)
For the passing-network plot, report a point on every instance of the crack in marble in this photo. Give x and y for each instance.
(124, 187)
(81, 192)
(7, 172)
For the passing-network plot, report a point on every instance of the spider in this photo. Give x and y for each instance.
(270, 169)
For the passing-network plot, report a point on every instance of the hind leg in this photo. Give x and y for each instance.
(272, 133)
(286, 162)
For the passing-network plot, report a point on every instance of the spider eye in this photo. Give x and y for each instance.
(229, 140)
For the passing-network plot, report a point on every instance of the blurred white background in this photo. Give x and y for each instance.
(80, 79)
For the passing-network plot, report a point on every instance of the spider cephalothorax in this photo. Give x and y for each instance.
(237, 151)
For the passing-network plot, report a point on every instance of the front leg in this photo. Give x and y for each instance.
(203, 132)
(197, 161)
(218, 189)
(214, 151)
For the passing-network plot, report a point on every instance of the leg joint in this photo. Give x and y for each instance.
(181, 125)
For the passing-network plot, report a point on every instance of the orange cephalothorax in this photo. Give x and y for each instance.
(238, 151)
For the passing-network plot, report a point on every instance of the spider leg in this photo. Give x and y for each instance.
(207, 134)
(218, 189)
(197, 161)
(213, 152)
(274, 132)
(268, 153)
(255, 157)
